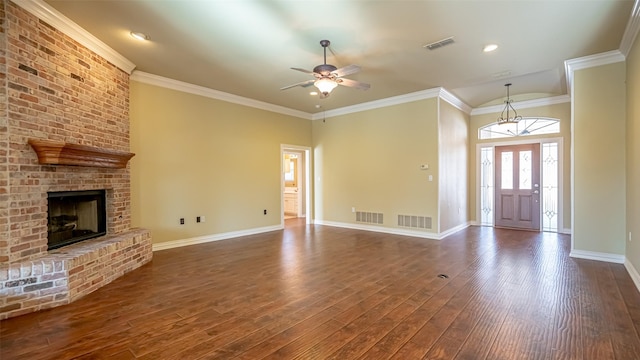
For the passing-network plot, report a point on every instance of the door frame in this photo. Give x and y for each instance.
(522, 141)
(307, 161)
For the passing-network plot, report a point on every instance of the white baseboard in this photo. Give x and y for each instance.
(214, 237)
(565, 231)
(598, 256)
(455, 229)
(394, 231)
(633, 273)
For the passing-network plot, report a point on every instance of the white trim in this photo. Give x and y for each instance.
(214, 94)
(53, 17)
(453, 230)
(521, 141)
(307, 183)
(454, 101)
(585, 62)
(566, 231)
(438, 177)
(214, 237)
(572, 161)
(633, 273)
(376, 104)
(598, 256)
(393, 231)
(631, 31)
(561, 99)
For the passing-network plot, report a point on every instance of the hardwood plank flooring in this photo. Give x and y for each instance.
(318, 292)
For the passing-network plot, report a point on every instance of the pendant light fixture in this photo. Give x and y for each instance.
(507, 107)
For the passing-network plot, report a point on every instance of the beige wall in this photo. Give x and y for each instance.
(599, 159)
(197, 156)
(561, 112)
(371, 161)
(453, 127)
(633, 154)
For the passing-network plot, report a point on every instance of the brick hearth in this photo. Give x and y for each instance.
(53, 88)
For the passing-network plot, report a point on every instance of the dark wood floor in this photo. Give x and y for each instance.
(317, 292)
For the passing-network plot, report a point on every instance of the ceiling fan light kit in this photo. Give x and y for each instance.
(328, 77)
(325, 85)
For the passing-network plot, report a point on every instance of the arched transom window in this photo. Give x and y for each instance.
(524, 127)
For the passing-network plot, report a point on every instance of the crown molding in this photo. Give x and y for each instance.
(51, 16)
(561, 99)
(376, 104)
(632, 29)
(440, 92)
(590, 61)
(156, 80)
(453, 100)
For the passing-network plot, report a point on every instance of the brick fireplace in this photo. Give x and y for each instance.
(53, 88)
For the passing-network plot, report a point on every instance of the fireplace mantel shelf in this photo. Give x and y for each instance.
(62, 153)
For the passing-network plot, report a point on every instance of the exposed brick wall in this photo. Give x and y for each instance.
(56, 89)
(4, 144)
(69, 273)
(51, 87)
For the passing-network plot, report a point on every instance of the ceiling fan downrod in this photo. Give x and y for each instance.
(325, 44)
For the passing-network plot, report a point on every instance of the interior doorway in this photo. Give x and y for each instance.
(517, 184)
(295, 182)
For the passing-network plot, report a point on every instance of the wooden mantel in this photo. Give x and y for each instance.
(62, 153)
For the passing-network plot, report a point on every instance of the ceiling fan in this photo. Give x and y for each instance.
(327, 76)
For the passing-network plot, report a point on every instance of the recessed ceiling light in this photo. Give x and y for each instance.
(139, 36)
(490, 48)
(313, 93)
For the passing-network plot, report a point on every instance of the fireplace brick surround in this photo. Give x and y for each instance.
(53, 88)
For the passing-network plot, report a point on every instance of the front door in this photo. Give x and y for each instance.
(517, 184)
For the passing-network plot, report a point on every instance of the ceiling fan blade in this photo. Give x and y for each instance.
(304, 71)
(303, 84)
(347, 70)
(353, 84)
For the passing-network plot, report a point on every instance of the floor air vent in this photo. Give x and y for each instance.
(412, 221)
(369, 217)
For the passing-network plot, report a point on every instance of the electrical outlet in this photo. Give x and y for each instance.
(202, 219)
(265, 211)
(181, 221)
(353, 209)
(629, 236)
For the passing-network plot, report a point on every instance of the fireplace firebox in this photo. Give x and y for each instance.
(75, 216)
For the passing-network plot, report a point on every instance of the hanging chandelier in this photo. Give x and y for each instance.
(507, 108)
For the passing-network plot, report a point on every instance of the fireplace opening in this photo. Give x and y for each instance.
(75, 216)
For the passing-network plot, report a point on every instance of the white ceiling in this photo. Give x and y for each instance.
(246, 47)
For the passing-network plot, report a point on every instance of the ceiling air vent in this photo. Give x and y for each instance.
(439, 44)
